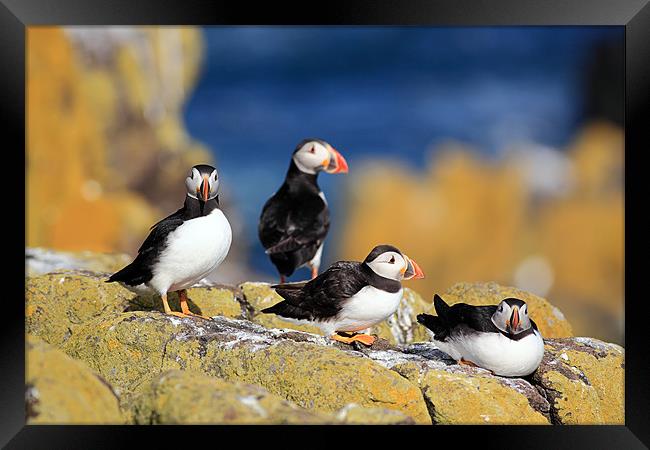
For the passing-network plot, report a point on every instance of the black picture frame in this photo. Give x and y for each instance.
(634, 15)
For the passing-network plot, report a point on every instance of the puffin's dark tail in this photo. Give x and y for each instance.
(286, 309)
(437, 324)
(434, 323)
(132, 275)
(442, 308)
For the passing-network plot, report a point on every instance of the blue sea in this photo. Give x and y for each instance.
(376, 93)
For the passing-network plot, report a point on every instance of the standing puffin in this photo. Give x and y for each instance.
(500, 338)
(184, 247)
(349, 296)
(295, 220)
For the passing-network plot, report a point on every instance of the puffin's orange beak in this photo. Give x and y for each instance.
(337, 163)
(205, 189)
(515, 318)
(412, 270)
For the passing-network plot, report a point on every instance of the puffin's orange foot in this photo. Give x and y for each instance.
(182, 295)
(464, 362)
(314, 272)
(365, 339)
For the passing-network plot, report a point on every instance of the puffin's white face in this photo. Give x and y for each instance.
(395, 266)
(315, 156)
(202, 182)
(511, 316)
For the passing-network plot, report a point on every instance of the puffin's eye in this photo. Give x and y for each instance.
(392, 260)
(312, 150)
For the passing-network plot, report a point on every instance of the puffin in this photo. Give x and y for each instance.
(349, 296)
(295, 220)
(500, 338)
(185, 246)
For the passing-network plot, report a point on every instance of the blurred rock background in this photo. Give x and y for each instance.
(107, 147)
(467, 218)
(115, 116)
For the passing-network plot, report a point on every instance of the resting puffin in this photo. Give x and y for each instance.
(349, 296)
(500, 338)
(295, 220)
(184, 247)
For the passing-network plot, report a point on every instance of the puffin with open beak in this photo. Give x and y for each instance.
(349, 296)
(500, 338)
(184, 247)
(295, 220)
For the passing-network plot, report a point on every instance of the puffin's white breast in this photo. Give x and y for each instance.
(366, 308)
(496, 352)
(194, 249)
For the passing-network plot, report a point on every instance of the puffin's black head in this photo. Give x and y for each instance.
(511, 316)
(313, 155)
(202, 183)
(389, 262)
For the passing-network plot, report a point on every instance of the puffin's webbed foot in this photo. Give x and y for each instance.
(464, 362)
(182, 295)
(365, 339)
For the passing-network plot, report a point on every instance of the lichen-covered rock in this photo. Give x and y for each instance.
(60, 390)
(285, 375)
(260, 296)
(58, 302)
(549, 319)
(584, 379)
(130, 348)
(318, 377)
(187, 397)
(464, 395)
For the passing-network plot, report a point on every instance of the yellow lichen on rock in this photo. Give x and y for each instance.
(126, 349)
(321, 378)
(233, 370)
(60, 390)
(310, 375)
(586, 379)
(58, 302)
(459, 399)
(188, 397)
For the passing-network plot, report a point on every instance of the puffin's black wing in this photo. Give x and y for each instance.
(324, 296)
(449, 317)
(140, 270)
(290, 222)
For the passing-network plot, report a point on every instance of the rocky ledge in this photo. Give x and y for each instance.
(119, 359)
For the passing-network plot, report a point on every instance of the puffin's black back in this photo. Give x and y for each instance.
(294, 221)
(478, 318)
